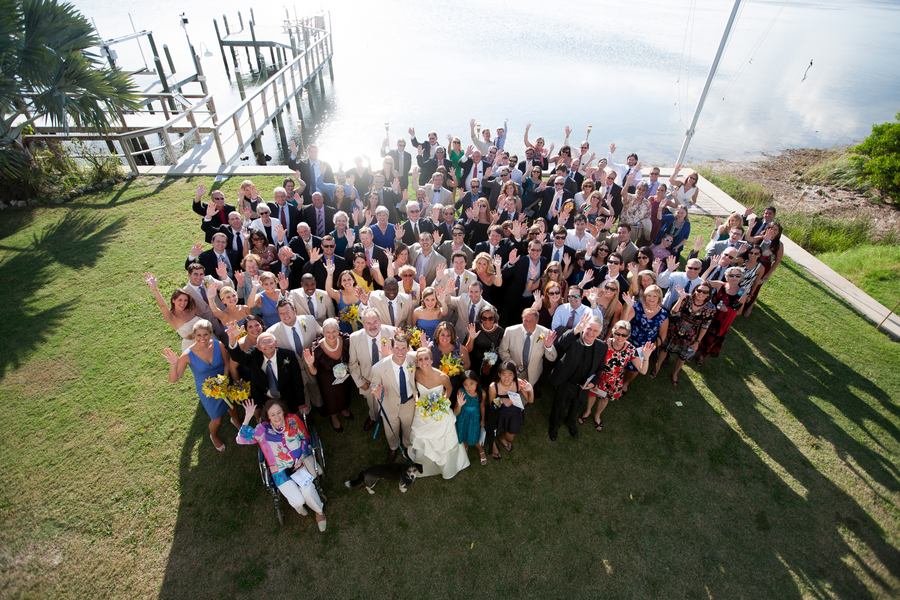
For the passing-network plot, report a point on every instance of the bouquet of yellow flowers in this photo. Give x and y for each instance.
(433, 405)
(221, 388)
(415, 337)
(451, 365)
(350, 314)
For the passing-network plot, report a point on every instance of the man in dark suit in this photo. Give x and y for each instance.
(557, 249)
(496, 244)
(211, 258)
(233, 232)
(402, 160)
(274, 372)
(518, 273)
(468, 199)
(583, 356)
(428, 166)
(303, 243)
(290, 266)
(319, 216)
(410, 229)
(283, 212)
(613, 194)
(495, 185)
(310, 168)
(530, 161)
(553, 193)
(473, 167)
(426, 148)
(444, 227)
(366, 245)
(318, 260)
(222, 210)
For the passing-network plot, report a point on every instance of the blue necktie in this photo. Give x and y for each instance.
(273, 382)
(374, 352)
(391, 311)
(298, 343)
(472, 314)
(526, 351)
(404, 397)
(309, 303)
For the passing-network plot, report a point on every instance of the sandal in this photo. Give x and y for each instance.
(496, 456)
(483, 458)
(582, 420)
(654, 374)
(506, 445)
(599, 425)
(675, 381)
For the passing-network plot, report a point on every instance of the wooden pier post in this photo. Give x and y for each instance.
(255, 45)
(240, 83)
(222, 48)
(281, 131)
(330, 48)
(169, 60)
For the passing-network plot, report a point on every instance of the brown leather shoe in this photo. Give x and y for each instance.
(368, 425)
(392, 456)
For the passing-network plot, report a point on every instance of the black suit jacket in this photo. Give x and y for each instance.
(235, 256)
(290, 377)
(543, 163)
(546, 197)
(309, 215)
(466, 201)
(445, 230)
(318, 270)
(616, 199)
(428, 166)
(306, 175)
(299, 247)
(504, 248)
(407, 165)
(572, 351)
(517, 276)
(296, 271)
(550, 250)
(216, 220)
(208, 259)
(424, 225)
(294, 217)
(467, 168)
(377, 254)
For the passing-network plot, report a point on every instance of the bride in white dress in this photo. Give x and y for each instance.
(434, 443)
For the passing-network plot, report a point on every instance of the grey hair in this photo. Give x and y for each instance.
(738, 270)
(622, 325)
(329, 322)
(412, 203)
(279, 189)
(382, 209)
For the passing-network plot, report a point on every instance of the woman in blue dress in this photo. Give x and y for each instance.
(383, 233)
(430, 312)
(267, 299)
(341, 229)
(346, 297)
(445, 342)
(470, 413)
(649, 323)
(207, 358)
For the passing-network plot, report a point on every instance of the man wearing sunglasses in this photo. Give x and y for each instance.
(686, 280)
(569, 314)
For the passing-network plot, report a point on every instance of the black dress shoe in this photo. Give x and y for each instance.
(368, 425)
(350, 417)
(553, 435)
(392, 456)
(339, 428)
(573, 431)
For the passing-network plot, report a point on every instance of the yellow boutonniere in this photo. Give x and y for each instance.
(383, 340)
(303, 324)
(319, 296)
(285, 362)
(401, 304)
(540, 337)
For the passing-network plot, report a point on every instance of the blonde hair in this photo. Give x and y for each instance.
(490, 268)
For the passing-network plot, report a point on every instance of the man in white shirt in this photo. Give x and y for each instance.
(423, 257)
(297, 334)
(579, 238)
(622, 171)
(568, 315)
(310, 301)
(687, 280)
(198, 281)
(365, 353)
(394, 379)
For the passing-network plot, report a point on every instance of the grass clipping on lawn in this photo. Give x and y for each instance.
(777, 477)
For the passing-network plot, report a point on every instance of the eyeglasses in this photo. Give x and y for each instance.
(487, 318)
(584, 147)
(408, 276)
(573, 296)
(613, 262)
(643, 258)
(401, 145)
(327, 247)
(736, 276)
(553, 270)
(557, 293)
(693, 268)
(559, 237)
(704, 292)
(559, 184)
(610, 178)
(621, 335)
(611, 288)
(412, 212)
(604, 250)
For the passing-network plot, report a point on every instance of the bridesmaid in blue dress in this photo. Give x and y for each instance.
(445, 342)
(207, 357)
(267, 300)
(430, 312)
(347, 296)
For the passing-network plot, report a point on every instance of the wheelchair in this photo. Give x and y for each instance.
(318, 462)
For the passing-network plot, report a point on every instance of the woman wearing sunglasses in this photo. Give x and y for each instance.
(695, 313)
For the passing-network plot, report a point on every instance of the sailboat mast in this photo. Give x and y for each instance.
(709, 79)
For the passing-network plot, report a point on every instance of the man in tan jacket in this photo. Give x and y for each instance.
(527, 344)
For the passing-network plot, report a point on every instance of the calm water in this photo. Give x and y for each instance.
(635, 79)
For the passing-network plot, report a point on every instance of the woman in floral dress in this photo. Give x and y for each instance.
(619, 353)
(649, 323)
(695, 313)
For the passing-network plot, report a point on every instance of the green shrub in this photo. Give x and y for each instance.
(879, 158)
(817, 234)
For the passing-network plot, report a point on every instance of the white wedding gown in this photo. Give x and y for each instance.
(435, 444)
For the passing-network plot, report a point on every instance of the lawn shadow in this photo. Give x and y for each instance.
(801, 376)
(76, 242)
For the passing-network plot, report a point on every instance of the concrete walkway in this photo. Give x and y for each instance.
(711, 202)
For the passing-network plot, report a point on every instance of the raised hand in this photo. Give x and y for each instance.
(201, 190)
(256, 282)
(422, 285)
(239, 277)
(294, 149)
(150, 280)
(460, 398)
(411, 131)
(279, 231)
(233, 330)
(420, 149)
(282, 282)
(633, 268)
(495, 216)
(656, 265)
(470, 214)
(718, 222)
(672, 263)
(308, 357)
(638, 166)
(211, 289)
(315, 254)
(472, 331)
(513, 256)
(373, 265)
(648, 349)
(698, 243)
(350, 236)
(566, 260)
(568, 130)
(415, 172)
(682, 293)
(533, 271)
(385, 349)
(748, 211)
(588, 277)
(170, 357)
(438, 237)
(592, 295)
(395, 184)
(211, 210)
(629, 300)
(329, 268)
(362, 295)
(612, 148)
(469, 150)
(769, 234)
(677, 168)
(248, 212)
(498, 262)
(621, 247)
(538, 297)
(222, 271)
(378, 391)
(610, 221)
(196, 249)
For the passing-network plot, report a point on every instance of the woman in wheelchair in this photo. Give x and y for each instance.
(284, 442)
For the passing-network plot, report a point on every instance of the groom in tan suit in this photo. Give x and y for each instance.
(364, 356)
(395, 378)
(307, 298)
(540, 344)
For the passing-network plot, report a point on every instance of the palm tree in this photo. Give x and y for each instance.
(46, 71)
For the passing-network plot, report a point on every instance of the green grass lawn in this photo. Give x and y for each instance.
(777, 477)
(873, 269)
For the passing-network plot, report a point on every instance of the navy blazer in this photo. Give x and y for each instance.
(216, 220)
(517, 276)
(290, 377)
